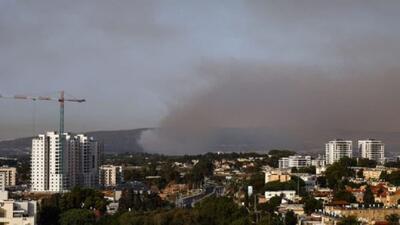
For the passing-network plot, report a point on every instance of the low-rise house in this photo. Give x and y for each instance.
(286, 194)
(18, 212)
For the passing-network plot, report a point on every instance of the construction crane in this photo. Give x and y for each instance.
(60, 99)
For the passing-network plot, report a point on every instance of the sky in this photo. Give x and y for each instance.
(192, 66)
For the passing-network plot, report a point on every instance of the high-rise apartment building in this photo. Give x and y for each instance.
(110, 175)
(56, 168)
(337, 149)
(372, 149)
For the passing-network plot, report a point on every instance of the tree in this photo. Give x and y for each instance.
(77, 217)
(321, 181)
(311, 204)
(393, 219)
(270, 219)
(393, 178)
(290, 218)
(343, 195)
(257, 180)
(349, 220)
(338, 171)
(272, 205)
(219, 211)
(48, 215)
(360, 173)
(366, 163)
(368, 196)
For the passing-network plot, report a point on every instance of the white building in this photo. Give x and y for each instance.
(372, 149)
(10, 174)
(318, 162)
(110, 175)
(290, 195)
(296, 161)
(337, 149)
(57, 168)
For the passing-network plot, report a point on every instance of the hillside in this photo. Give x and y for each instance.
(114, 142)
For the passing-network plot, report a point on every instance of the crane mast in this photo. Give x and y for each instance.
(60, 99)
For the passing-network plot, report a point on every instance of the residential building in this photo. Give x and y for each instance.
(10, 174)
(3, 192)
(286, 194)
(60, 162)
(318, 162)
(18, 212)
(277, 175)
(372, 149)
(110, 175)
(2, 182)
(337, 149)
(296, 161)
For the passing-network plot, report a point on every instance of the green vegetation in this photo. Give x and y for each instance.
(309, 170)
(393, 178)
(393, 219)
(56, 209)
(131, 200)
(369, 198)
(290, 218)
(339, 171)
(366, 163)
(295, 184)
(77, 217)
(350, 220)
(311, 204)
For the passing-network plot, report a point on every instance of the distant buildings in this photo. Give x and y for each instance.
(57, 168)
(295, 161)
(372, 149)
(10, 174)
(110, 175)
(337, 149)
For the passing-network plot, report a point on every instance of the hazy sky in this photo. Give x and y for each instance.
(148, 63)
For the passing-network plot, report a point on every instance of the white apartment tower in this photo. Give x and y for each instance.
(57, 169)
(372, 149)
(337, 149)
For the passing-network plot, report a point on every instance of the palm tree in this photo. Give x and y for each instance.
(393, 219)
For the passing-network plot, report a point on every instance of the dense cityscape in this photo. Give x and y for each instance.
(68, 180)
(199, 112)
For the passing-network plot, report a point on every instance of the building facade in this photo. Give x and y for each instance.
(372, 149)
(10, 174)
(296, 161)
(18, 212)
(110, 175)
(57, 167)
(337, 149)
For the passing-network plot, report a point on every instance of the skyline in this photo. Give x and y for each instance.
(191, 67)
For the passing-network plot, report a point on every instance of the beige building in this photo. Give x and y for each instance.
(18, 213)
(10, 174)
(110, 175)
(277, 175)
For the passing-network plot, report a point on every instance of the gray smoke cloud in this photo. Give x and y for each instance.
(322, 70)
(280, 107)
